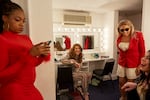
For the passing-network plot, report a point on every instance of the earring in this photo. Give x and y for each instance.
(6, 26)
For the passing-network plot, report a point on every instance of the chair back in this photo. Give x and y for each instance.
(64, 76)
(108, 67)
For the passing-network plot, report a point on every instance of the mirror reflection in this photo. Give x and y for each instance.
(62, 43)
(88, 42)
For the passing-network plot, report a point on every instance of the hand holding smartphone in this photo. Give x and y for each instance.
(49, 42)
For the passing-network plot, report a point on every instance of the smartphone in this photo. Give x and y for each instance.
(49, 42)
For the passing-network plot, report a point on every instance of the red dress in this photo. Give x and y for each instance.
(67, 42)
(17, 68)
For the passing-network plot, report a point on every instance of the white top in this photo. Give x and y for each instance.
(124, 46)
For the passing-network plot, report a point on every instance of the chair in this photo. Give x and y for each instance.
(99, 74)
(65, 83)
(64, 77)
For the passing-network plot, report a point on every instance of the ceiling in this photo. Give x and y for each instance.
(98, 6)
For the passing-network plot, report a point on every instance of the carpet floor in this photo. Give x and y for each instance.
(108, 90)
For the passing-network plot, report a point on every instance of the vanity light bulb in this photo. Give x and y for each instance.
(99, 30)
(59, 29)
(94, 30)
(78, 29)
(77, 41)
(83, 29)
(72, 29)
(65, 29)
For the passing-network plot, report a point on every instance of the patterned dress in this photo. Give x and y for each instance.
(79, 76)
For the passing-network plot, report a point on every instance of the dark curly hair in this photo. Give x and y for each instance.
(6, 8)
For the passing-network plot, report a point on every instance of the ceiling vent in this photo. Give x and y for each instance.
(70, 19)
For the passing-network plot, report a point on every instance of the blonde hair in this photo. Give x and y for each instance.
(126, 22)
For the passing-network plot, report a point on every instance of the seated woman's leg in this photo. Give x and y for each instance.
(85, 78)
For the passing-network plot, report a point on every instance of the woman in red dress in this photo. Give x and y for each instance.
(18, 56)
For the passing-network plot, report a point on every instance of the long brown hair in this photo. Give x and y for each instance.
(146, 77)
(72, 54)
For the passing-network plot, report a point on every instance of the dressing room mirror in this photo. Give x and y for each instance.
(62, 42)
(88, 42)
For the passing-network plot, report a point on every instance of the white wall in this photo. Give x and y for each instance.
(39, 15)
(109, 26)
(40, 25)
(137, 21)
(146, 22)
(115, 55)
(97, 19)
(57, 16)
(135, 17)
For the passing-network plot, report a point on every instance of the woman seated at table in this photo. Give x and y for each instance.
(75, 57)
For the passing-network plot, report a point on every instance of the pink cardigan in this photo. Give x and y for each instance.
(132, 57)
